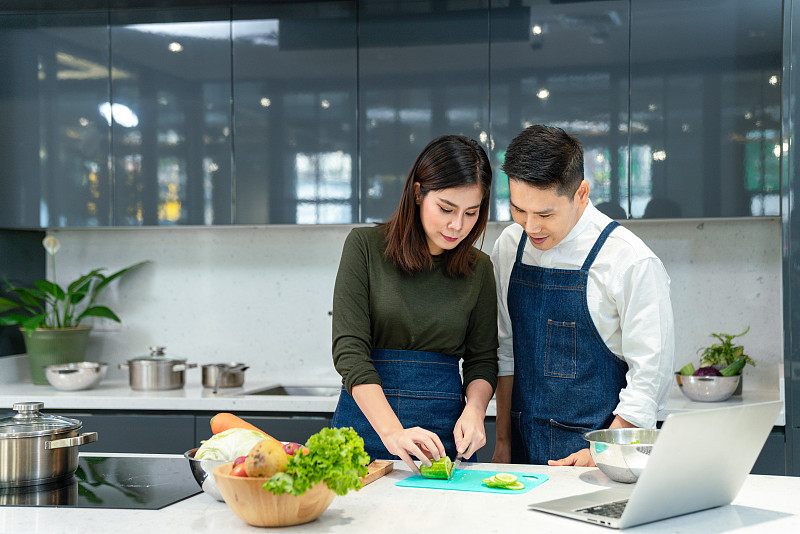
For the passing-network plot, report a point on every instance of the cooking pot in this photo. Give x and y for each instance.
(223, 375)
(156, 371)
(36, 448)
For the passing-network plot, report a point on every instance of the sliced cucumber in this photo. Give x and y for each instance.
(504, 481)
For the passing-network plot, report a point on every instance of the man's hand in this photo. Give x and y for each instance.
(582, 458)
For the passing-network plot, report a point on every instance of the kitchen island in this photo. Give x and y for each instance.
(765, 503)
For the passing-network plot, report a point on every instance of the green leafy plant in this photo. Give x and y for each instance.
(335, 456)
(49, 305)
(724, 352)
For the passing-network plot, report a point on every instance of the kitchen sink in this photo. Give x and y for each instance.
(307, 391)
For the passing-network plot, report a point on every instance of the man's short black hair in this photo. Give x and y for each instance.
(546, 157)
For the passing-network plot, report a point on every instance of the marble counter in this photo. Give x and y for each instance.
(117, 395)
(765, 503)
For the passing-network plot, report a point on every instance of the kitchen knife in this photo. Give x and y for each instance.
(456, 465)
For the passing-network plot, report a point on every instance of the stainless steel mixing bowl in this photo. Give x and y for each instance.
(621, 453)
(75, 376)
(203, 472)
(707, 388)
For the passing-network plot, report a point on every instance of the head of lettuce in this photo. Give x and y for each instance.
(334, 456)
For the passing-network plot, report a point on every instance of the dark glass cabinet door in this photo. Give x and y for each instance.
(171, 117)
(423, 72)
(54, 142)
(295, 101)
(705, 108)
(566, 65)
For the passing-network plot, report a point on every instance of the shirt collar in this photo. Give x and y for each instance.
(581, 225)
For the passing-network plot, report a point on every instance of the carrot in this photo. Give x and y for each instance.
(225, 421)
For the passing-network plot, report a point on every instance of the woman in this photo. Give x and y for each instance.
(412, 298)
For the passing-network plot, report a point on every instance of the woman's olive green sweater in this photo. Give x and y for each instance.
(378, 306)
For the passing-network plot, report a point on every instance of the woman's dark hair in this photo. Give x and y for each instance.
(447, 161)
(545, 157)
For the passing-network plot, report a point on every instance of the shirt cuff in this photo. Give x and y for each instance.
(639, 411)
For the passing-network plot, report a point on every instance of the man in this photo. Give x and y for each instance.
(585, 320)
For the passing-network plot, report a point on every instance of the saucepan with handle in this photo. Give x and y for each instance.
(223, 375)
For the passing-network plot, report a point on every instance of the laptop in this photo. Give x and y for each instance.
(699, 461)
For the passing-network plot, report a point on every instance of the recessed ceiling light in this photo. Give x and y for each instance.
(175, 46)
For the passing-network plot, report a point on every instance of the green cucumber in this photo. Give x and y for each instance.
(734, 369)
(439, 468)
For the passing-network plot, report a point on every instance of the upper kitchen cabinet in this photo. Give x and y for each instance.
(54, 138)
(170, 116)
(705, 108)
(295, 98)
(423, 72)
(564, 64)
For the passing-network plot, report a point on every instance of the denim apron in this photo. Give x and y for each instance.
(423, 389)
(566, 380)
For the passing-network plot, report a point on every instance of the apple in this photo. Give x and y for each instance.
(239, 460)
(291, 447)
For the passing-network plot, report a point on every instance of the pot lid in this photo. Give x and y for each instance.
(157, 355)
(29, 422)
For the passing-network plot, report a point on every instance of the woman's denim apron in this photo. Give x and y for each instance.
(566, 380)
(423, 389)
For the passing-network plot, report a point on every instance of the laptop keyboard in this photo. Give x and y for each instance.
(611, 509)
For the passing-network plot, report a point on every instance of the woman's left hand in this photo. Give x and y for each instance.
(469, 432)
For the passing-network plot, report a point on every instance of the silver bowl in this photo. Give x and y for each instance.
(707, 388)
(203, 472)
(75, 376)
(621, 453)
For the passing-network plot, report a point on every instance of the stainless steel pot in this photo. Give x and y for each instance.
(223, 375)
(156, 371)
(36, 448)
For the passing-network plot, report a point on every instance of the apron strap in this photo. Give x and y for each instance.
(521, 247)
(598, 245)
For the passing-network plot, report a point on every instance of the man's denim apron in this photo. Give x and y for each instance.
(566, 380)
(423, 389)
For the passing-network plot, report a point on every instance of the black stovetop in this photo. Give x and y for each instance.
(137, 482)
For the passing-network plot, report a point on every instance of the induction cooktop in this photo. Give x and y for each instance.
(135, 482)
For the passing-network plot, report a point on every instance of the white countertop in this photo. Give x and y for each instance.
(117, 395)
(765, 503)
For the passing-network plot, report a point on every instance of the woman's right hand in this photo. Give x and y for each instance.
(416, 441)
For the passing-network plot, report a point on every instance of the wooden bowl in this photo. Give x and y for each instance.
(262, 508)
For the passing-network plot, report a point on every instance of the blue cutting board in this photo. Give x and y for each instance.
(469, 480)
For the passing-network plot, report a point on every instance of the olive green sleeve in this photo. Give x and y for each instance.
(480, 355)
(352, 340)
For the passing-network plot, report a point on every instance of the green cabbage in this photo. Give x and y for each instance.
(229, 445)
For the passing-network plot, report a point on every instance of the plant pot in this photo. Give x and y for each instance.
(48, 346)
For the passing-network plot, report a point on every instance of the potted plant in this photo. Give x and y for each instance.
(724, 353)
(50, 315)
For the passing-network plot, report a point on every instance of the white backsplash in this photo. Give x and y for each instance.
(262, 295)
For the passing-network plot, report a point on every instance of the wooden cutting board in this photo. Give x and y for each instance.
(376, 470)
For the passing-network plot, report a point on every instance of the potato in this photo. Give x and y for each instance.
(266, 458)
